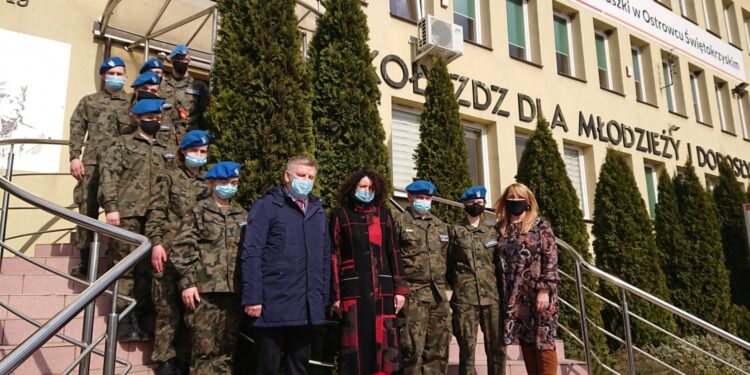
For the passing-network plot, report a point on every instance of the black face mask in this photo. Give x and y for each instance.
(143, 94)
(150, 127)
(474, 210)
(180, 67)
(517, 207)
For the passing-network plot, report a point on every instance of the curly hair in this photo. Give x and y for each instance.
(345, 196)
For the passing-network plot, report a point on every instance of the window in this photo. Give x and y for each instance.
(699, 91)
(711, 182)
(652, 193)
(518, 28)
(723, 106)
(404, 141)
(640, 92)
(683, 8)
(474, 136)
(668, 85)
(408, 9)
(694, 88)
(687, 9)
(746, 22)
(710, 18)
(466, 14)
(575, 168)
(563, 44)
(743, 104)
(730, 20)
(521, 141)
(602, 60)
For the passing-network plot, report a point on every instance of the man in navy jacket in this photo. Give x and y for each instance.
(286, 270)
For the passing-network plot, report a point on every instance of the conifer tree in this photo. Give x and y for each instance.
(729, 198)
(542, 169)
(706, 290)
(441, 155)
(625, 247)
(348, 131)
(671, 240)
(261, 106)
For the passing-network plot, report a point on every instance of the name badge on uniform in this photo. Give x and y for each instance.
(490, 243)
(164, 127)
(409, 230)
(444, 238)
(168, 155)
(192, 91)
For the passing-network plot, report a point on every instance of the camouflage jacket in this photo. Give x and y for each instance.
(165, 135)
(177, 192)
(131, 170)
(91, 124)
(189, 99)
(423, 243)
(205, 249)
(471, 271)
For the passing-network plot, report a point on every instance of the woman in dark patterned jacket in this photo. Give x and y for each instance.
(368, 287)
(526, 259)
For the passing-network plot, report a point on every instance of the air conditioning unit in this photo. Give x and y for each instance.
(439, 38)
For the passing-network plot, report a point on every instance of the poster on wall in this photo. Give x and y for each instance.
(33, 86)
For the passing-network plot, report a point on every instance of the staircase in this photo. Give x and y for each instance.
(40, 295)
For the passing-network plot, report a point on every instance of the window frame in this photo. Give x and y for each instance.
(396, 107)
(485, 153)
(477, 21)
(607, 60)
(420, 4)
(696, 90)
(526, 34)
(725, 11)
(654, 184)
(569, 26)
(640, 92)
(671, 98)
(583, 179)
(718, 87)
(743, 119)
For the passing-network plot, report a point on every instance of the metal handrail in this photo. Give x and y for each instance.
(625, 287)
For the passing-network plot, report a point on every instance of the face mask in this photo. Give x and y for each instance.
(421, 206)
(114, 83)
(301, 188)
(180, 67)
(143, 94)
(516, 207)
(226, 191)
(364, 196)
(194, 161)
(474, 210)
(150, 127)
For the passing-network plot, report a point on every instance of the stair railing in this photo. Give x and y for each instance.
(624, 289)
(87, 298)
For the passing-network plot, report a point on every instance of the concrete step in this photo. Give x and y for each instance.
(53, 358)
(62, 263)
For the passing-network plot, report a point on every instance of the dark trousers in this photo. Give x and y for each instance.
(291, 343)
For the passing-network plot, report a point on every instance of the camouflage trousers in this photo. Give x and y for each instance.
(425, 330)
(135, 283)
(171, 337)
(85, 197)
(214, 325)
(466, 318)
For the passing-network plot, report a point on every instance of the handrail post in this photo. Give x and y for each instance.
(88, 315)
(110, 348)
(582, 314)
(6, 201)
(628, 336)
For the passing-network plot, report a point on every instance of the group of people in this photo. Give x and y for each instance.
(285, 263)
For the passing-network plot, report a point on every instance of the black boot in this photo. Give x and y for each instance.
(127, 330)
(82, 270)
(168, 368)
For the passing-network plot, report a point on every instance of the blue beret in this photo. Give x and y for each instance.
(180, 49)
(474, 192)
(195, 138)
(111, 63)
(148, 78)
(147, 106)
(223, 170)
(421, 187)
(152, 63)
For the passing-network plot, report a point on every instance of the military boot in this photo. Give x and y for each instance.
(168, 368)
(127, 330)
(82, 270)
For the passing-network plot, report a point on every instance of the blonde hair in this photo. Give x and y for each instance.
(521, 191)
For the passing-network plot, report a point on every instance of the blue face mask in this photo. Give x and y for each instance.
(194, 161)
(301, 188)
(114, 83)
(421, 206)
(364, 196)
(226, 191)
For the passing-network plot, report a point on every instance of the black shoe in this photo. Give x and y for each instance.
(168, 368)
(80, 271)
(145, 336)
(127, 330)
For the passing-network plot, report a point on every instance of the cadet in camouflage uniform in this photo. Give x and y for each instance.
(188, 96)
(181, 188)
(146, 86)
(132, 169)
(425, 321)
(471, 273)
(205, 256)
(90, 128)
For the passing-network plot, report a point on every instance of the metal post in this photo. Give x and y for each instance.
(6, 201)
(110, 348)
(146, 48)
(582, 316)
(88, 315)
(628, 337)
(214, 33)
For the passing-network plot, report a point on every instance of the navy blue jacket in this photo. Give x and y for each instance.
(286, 261)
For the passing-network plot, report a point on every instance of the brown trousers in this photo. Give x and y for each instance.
(539, 362)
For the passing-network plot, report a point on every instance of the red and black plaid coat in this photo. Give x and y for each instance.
(367, 273)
